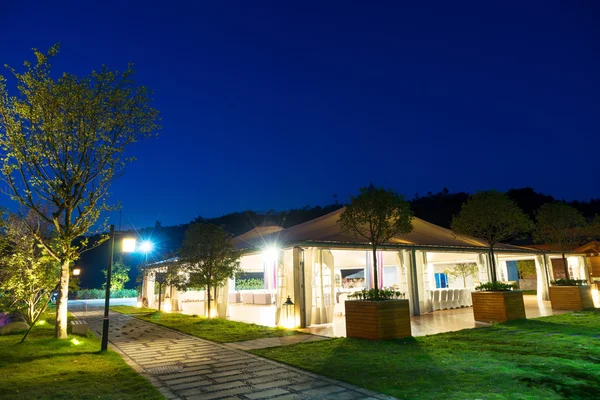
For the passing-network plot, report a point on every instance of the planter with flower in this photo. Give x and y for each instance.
(571, 295)
(378, 315)
(497, 302)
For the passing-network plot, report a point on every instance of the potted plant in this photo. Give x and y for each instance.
(571, 294)
(497, 302)
(378, 315)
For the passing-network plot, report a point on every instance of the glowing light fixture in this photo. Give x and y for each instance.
(128, 245)
(271, 253)
(167, 306)
(146, 246)
(42, 322)
(76, 271)
(75, 341)
(138, 304)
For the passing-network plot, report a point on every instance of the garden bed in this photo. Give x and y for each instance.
(377, 320)
(490, 306)
(571, 298)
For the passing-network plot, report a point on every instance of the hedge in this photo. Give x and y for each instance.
(88, 294)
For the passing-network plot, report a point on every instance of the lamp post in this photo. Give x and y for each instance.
(128, 247)
(289, 304)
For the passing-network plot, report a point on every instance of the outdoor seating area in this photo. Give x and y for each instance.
(444, 299)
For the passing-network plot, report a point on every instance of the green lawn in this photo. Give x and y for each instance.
(546, 358)
(46, 368)
(215, 329)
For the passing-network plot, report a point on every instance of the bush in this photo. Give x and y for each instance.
(496, 287)
(90, 294)
(249, 284)
(377, 295)
(569, 282)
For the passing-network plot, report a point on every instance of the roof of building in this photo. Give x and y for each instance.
(326, 229)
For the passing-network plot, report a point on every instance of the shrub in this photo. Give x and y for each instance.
(249, 284)
(90, 294)
(377, 295)
(496, 287)
(569, 282)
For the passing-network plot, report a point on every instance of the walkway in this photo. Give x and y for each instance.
(186, 367)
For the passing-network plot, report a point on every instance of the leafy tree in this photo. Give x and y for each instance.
(561, 225)
(208, 255)
(27, 273)
(526, 268)
(63, 141)
(492, 216)
(462, 271)
(119, 275)
(376, 215)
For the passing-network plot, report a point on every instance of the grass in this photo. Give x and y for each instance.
(550, 358)
(214, 329)
(47, 368)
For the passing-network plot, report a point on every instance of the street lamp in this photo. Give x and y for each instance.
(128, 247)
(76, 271)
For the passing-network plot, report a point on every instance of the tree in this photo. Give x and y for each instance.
(27, 273)
(526, 268)
(492, 216)
(561, 225)
(376, 215)
(63, 142)
(462, 271)
(209, 256)
(119, 275)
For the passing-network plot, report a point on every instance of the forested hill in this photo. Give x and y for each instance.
(437, 208)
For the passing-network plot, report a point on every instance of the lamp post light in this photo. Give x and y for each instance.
(76, 271)
(289, 304)
(128, 247)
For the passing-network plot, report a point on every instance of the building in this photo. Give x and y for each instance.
(318, 265)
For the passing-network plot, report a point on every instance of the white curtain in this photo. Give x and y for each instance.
(322, 287)
(542, 278)
(483, 268)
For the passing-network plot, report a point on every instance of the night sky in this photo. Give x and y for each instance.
(278, 105)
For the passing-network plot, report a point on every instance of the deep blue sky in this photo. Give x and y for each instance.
(277, 105)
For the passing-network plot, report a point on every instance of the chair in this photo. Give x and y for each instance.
(469, 298)
(456, 298)
(443, 299)
(435, 301)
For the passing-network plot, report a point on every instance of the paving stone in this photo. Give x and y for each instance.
(309, 385)
(266, 394)
(291, 396)
(223, 386)
(191, 385)
(233, 378)
(220, 394)
(271, 371)
(226, 373)
(325, 390)
(271, 384)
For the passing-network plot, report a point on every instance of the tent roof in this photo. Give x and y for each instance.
(254, 236)
(326, 229)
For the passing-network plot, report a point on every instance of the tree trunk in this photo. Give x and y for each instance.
(208, 301)
(61, 306)
(375, 275)
(493, 265)
(566, 266)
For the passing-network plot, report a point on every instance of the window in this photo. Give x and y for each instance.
(441, 281)
(390, 276)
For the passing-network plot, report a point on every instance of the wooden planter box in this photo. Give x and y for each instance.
(498, 306)
(377, 320)
(571, 298)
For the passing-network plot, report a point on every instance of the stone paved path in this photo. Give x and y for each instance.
(186, 367)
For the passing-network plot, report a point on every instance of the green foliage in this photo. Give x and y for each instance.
(548, 358)
(569, 282)
(44, 368)
(90, 294)
(559, 224)
(209, 256)
(492, 216)
(376, 215)
(119, 275)
(377, 294)
(63, 140)
(526, 268)
(27, 274)
(249, 284)
(462, 271)
(496, 287)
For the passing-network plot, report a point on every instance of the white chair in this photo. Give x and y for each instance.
(443, 299)
(435, 299)
(469, 298)
(456, 298)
